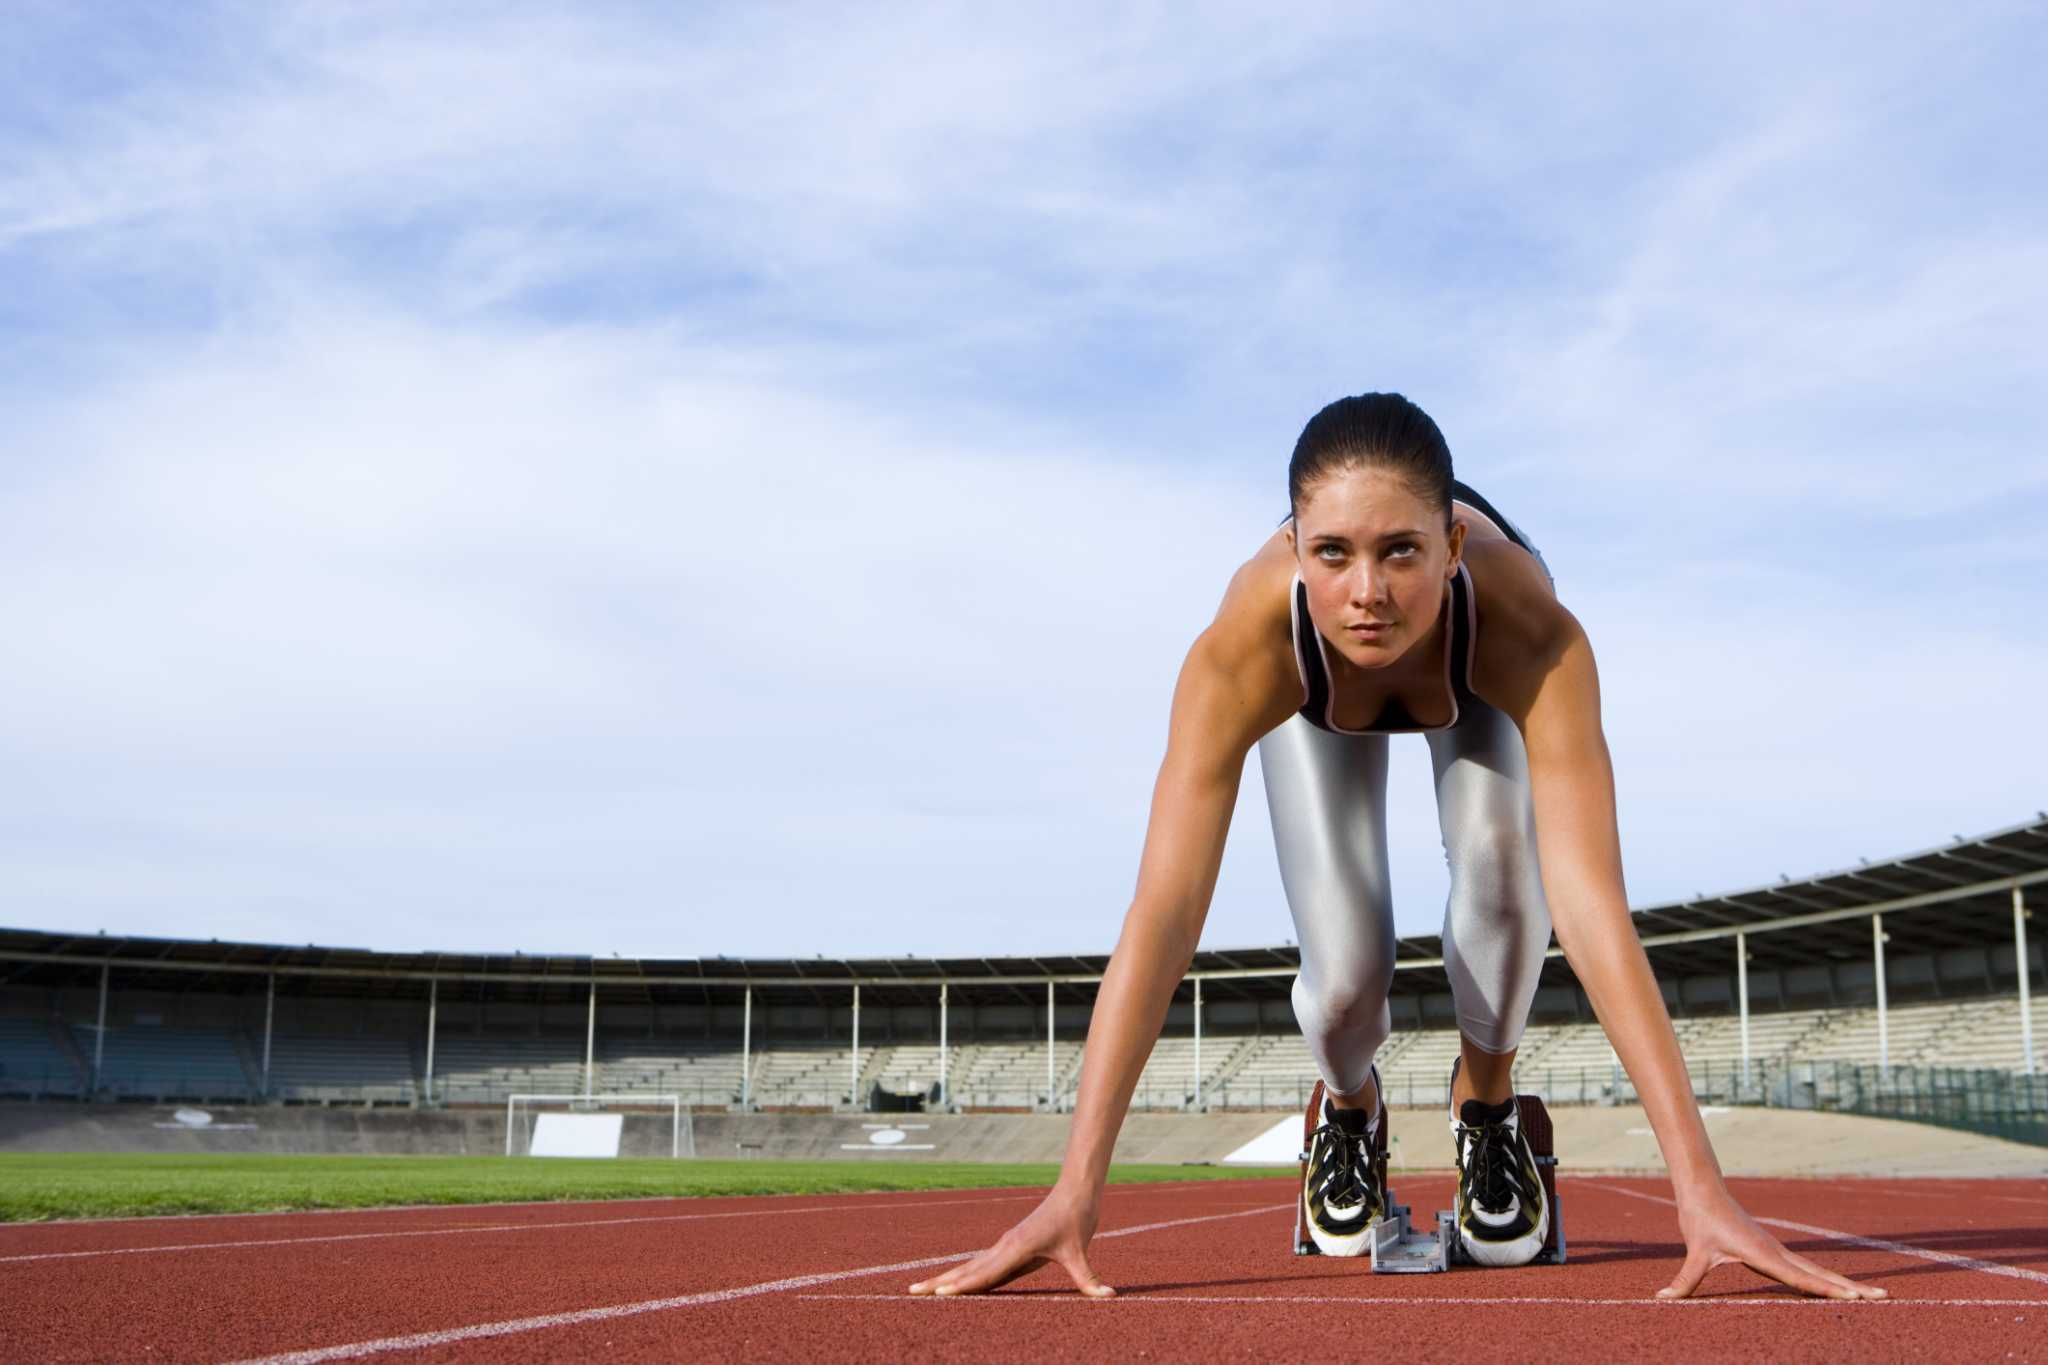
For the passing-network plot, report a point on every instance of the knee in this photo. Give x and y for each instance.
(1340, 1010)
(1496, 883)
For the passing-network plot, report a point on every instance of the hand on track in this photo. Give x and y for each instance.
(1718, 1232)
(1057, 1231)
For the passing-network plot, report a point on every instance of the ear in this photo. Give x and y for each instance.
(1457, 549)
(1292, 544)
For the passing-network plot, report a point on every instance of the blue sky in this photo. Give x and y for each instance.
(587, 479)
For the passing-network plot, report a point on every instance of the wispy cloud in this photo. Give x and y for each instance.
(738, 483)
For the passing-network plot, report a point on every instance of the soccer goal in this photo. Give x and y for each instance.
(589, 1125)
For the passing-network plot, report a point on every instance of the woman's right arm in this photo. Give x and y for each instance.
(1225, 700)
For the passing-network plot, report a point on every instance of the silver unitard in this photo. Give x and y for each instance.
(1326, 793)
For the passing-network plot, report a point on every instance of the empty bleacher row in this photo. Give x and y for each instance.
(46, 1057)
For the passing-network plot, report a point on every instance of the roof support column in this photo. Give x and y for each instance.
(269, 1014)
(99, 1033)
(944, 1096)
(1198, 1044)
(1052, 1099)
(747, 1051)
(590, 1046)
(2019, 943)
(853, 1058)
(1884, 1038)
(1742, 998)
(433, 1023)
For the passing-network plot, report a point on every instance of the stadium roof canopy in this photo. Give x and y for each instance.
(1959, 895)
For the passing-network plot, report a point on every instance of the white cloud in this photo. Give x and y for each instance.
(512, 478)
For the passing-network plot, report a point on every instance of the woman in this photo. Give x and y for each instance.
(1361, 616)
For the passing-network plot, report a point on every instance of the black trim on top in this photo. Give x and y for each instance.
(1309, 654)
(1394, 718)
(1466, 494)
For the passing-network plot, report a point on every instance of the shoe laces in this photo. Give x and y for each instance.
(1350, 1182)
(1489, 1163)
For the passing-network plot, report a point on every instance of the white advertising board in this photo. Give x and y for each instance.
(577, 1134)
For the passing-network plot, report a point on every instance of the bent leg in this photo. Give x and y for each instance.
(1497, 923)
(1326, 794)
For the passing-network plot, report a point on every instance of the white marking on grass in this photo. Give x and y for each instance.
(486, 1330)
(1855, 1239)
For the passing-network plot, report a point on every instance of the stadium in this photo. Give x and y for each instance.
(1891, 988)
(1189, 682)
(1874, 1021)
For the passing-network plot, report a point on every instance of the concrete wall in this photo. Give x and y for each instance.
(1589, 1139)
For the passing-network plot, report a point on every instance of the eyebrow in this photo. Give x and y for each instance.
(1384, 536)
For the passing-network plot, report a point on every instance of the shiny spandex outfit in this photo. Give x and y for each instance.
(1326, 790)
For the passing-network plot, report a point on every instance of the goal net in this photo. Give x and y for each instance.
(598, 1126)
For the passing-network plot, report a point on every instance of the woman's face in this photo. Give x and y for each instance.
(1375, 559)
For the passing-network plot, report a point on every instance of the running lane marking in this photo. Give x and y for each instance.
(1854, 1239)
(1460, 1301)
(482, 1227)
(485, 1330)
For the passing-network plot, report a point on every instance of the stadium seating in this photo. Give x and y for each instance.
(1568, 1062)
(161, 1064)
(308, 1068)
(32, 1063)
(702, 1071)
(480, 1070)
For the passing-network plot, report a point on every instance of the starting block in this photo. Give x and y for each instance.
(1398, 1246)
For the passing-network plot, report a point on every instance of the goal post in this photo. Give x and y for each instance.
(523, 1113)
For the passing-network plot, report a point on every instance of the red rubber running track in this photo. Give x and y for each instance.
(1202, 1269)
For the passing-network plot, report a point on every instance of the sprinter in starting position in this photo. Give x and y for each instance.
(1396, 600)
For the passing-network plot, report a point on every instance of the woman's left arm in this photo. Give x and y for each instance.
(1547, 682)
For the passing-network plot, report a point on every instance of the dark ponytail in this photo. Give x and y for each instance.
(1380, 430)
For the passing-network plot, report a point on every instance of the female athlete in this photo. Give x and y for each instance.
(1394, 599)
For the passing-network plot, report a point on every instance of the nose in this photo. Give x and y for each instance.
(1367, 588)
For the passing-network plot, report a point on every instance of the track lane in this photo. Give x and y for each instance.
(219, 1300)
(1212, 1290)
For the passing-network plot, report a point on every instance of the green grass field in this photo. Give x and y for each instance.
(39, 1186)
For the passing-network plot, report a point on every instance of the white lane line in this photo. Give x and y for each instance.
(481, 1331)
(1893, 1187)
(481, 1227)
(1448, 1301)
(1854, 1239)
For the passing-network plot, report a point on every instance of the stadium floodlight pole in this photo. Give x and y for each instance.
(1884, 1038)
(747, 1051)
(943, 1096)
(269, 1013)
(99, 1033)
(2019, 943)
(1198, 1044)
(853, 1057)
(590, 1046)
(1742, 998)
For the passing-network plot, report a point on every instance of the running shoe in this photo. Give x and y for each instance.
(1503, 1218)
(1345, 1189)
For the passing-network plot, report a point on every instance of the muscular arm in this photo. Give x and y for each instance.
(1540, 671)
(1553, 694)
(1220, 708)
(1237, 683)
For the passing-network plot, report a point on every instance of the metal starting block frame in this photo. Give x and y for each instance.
(1400, 1248)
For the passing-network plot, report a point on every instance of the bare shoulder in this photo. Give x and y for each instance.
(1245, 656)
(1523, 628)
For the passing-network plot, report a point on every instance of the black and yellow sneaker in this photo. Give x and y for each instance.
(1344, 1183)
(1503, 1217)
